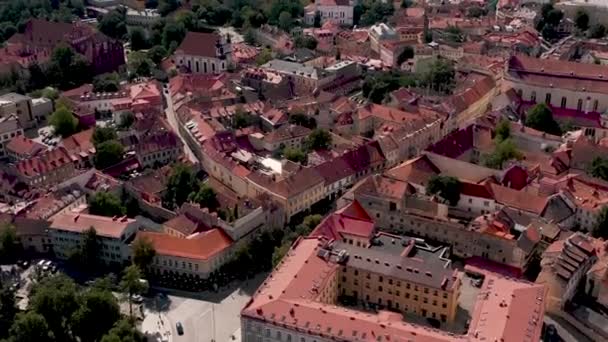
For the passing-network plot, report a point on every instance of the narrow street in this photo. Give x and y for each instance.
(172, 119)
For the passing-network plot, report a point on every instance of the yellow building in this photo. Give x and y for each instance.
(401, 274)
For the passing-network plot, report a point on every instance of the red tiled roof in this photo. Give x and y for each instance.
(350, 220)
(202, 246)
(44, 162)
(199, 44)
(24, 146)
(287, 132)
(518, 199)
(475, 190)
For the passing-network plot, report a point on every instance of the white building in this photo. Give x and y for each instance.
(340, 11)
(204, 53)
(68, 231)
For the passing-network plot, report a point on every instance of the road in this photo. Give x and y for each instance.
(172, 118)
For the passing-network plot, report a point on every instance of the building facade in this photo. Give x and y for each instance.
(204, 53)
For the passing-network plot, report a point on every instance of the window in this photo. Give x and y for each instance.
(380, 288)
(563, 102)
(445, 295)
(579, 105)
(380, 279)
(595, 105)
(548, 98)
(533, 96)
(407, 295)
(444, 305)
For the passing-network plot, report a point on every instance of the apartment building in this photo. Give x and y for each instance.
(297, 302)
(204, 53)
(20, 147)
(45, 169)
(68, 231)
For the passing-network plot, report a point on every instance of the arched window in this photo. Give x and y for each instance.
(579, 105)
(533, 96)
(563, 102)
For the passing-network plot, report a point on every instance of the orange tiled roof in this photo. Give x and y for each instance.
(202, 246)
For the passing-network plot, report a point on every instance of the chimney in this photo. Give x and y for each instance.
(76, 217)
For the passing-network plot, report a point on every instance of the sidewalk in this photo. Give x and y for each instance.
(156, 327)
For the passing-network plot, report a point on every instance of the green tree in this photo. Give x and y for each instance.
(103, 134)
(109, 82)
(285, 21)
(503, 131)
(250, 37)
(97, 314)
(55, 299)
(597, 31)
(279, 252)
(504, 151)
(140, 65)
(540, 118)
(113, 24)
(295, 155)
(90, 250)
(370, 12)
(306, 41)
(264, 56)
(157, 53)
(173, 34)
(132, 285)
(599, 168)
(581, 19)
(439, 76)
(319, 139)
(311, 221)
(600, 228)
(31, 326)
(205, 197)
(124, 331)
(167, 6)
(143, 253)
(63, 122)
(9, 243)
(108, 153)
(303, 120)
(138, 38)
(181, 183)
(106, 204)
(8, 310)
(446, 187)
(407, 53)
(127, 120)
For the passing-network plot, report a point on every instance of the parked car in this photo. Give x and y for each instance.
(180, 328)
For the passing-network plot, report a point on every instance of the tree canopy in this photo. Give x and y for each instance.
(505, 150)
(108, 153)
(407, 53)
(581, 19)
(294, 154)
(103, 134)
(599, 168)
(448, 188)
(439, 76)
(600, 228)
(319, 139)
(182, 181)
(114, 24)
(138, 38)
(205, 197)
(503, 131)
(597, 31)
(132, 285)
(9, 243)
(143, 253)
(106, 204)
(540, 118)
(63, 122)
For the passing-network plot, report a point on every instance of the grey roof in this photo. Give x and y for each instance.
(292, 68)
(14, 97)
(423, 264)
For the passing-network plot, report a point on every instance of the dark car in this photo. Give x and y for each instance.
(180, 328)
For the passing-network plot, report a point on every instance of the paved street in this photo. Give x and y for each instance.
(212, 317)
(172, 118)
(566, 331)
